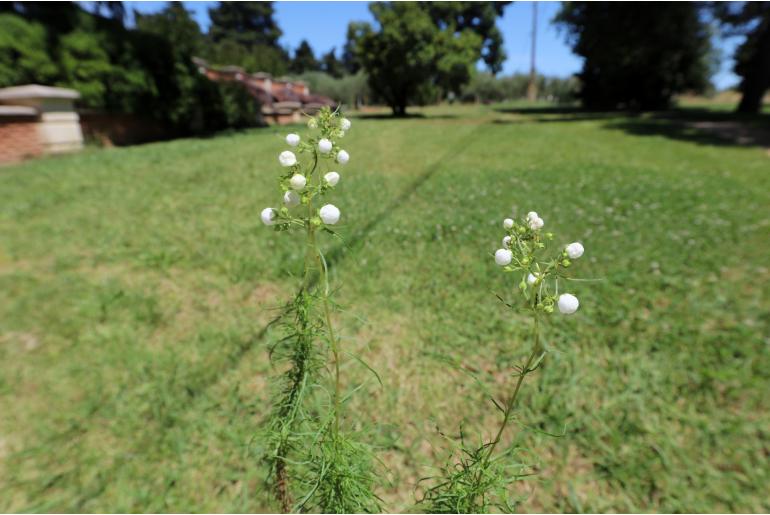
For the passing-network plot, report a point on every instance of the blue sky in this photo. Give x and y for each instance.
(324, 25)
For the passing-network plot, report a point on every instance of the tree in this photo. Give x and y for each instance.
(331, 65)
(246, 35)
(183, 97)
(250, 24)
(637, 55)
(412, 57)
(177, 25)
(356, 31)
(23, 54)
(752, 57)
(304, 59)
(479, 17)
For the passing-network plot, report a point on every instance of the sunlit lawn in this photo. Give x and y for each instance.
(136, 286)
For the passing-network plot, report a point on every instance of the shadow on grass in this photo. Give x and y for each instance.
(407, 116)
(695, 125)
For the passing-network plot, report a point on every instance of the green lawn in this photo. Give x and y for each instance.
(136, 286)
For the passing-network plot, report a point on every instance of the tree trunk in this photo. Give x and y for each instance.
(757, 81)
(399, 110)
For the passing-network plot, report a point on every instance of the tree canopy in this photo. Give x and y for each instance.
(247, 23)
(331, 65)
(637, 55)
(420, 50)
(245, 34)
(304, 59)
(479, 17)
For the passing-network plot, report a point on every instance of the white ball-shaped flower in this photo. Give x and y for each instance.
(268, 216)
(506, 242)
(292, 139)
(342, 157)
(532, 215)
(291, 198)
(568, 303)
(507, 223)
(287, 158)
(575, 250)
(531, 278)
(536, 223)
(297, 182)
(329, 214)
(503, 257)
(345, 124)
(324, 146)
(332, 178)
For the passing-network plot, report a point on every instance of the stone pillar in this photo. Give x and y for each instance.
(58, 125)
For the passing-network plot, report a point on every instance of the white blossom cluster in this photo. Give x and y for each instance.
(301, 184)
(520, 247)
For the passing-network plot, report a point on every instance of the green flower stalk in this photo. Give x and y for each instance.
(307, 451)
(479, 479)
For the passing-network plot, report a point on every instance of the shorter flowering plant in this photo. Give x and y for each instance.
(479, 478)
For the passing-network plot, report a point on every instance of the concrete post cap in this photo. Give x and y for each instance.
(37, 91)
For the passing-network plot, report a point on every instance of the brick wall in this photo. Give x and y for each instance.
(108, 129)
(19, 138)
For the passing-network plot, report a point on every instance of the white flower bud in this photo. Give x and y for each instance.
(287, 158)
(568, 303)
(290, 198)
(345, 124)
(329, 213)
(507, 223)
(503, 257)
(332, 178)
(531, 278)
(324, 146)
(536, 223)
(342, 157)
(312, 123)
(268, 216)
(297, 182)
(531, 215)
(574, 250)
(292, 139)
(506, 242)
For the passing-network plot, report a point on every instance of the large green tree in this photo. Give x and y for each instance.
(637, 55)
(248, 23)
(24, 56)
(304, 59)
(350, 59)
(481, 18)
(331, 65)
(246, 34)
(752, 57)
(418, 52)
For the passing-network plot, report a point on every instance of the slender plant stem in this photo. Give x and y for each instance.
(512, 399)
(335, 352)
(324, 283)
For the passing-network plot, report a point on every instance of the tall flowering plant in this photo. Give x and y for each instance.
(479, 478)
(315, 465)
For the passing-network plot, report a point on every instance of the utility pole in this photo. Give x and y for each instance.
(532, 86)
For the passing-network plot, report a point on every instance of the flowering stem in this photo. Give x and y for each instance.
(324, 281)
(512, 400)
(334, 347)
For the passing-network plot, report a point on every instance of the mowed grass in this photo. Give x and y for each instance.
(137, 286)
